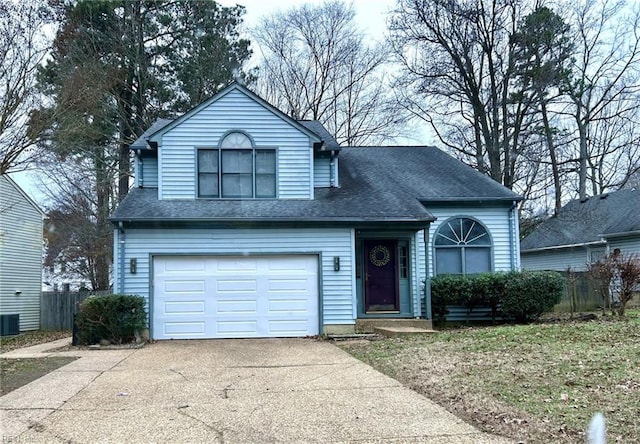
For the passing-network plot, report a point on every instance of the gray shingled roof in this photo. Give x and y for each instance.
(141, 142)
(377, 184)
(318, 128)
(589, 221)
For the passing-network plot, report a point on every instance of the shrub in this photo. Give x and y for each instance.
(522, 296)
(528, 294)
(117, 318)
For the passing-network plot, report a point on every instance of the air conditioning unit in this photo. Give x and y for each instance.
(9, 325)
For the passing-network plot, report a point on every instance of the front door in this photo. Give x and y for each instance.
(381, 279)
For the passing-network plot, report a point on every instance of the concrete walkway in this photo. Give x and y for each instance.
(232, 391)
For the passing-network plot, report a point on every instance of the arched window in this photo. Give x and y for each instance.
(236, 139)
(462, 246)
(236, 169)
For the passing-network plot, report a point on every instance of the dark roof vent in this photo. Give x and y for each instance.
(584, 200)
(604, 196)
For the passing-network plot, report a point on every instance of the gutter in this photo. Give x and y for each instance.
(559, 247)
(621, 234)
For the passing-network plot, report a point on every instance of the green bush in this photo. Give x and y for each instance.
(528, 294)
(117, 318)
(522, 296)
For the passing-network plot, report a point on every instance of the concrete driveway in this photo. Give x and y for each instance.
(231, 391)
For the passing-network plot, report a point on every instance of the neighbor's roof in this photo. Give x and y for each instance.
(581, 222)
(377, 184)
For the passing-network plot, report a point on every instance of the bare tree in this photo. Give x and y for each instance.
(458, 76)
(605, 92)
(23, 47)
(316, 65)
(81, 195)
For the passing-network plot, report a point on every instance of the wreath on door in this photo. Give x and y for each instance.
(379, 256)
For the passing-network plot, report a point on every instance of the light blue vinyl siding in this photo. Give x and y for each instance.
(234, 111)
(337, 287)
(21, 248)
(496, 220)
(627, 245)
(576, 257)
(149, 172)
(558, 260)
(322, 172)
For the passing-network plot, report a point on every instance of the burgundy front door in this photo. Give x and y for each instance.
(381, 280)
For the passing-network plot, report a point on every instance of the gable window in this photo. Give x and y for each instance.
(236, 170)
(462, 246)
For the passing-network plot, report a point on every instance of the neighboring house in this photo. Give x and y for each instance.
(21, 247)
(584, 231)
(244, 222)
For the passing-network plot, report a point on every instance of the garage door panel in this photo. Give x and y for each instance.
(232, 265)
(230, 307)
(236, 285)
(235, 297)
(185, 329)
(285, 306)
(240, 328)
(183, 265)
(184, 307)
(184, 287)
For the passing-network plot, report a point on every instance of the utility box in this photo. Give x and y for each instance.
(9, 325)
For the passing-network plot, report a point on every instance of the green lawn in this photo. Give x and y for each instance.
(538, 382)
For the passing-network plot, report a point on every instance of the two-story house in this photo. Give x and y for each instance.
(244, 222)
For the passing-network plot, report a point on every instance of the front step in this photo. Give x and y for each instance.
(369, 325)
(400, 332)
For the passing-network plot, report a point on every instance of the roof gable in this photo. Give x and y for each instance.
(21, 192)
(587, 221)
(160, 127)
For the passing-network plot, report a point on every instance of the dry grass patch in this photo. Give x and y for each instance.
(535, 383)
(29, 338)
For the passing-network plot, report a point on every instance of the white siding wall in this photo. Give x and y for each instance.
(234, 111)
(496, 220)
(558, 260)
(338, 305)
(21, 248)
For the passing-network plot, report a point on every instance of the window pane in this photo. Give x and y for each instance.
(237, 161)
(477, 260)
(447, 233)
(208, 161)
(265, 185)
(208, 185)
(237, 185)
(448, 260)
(475, 234)
(236, 140)
(265, 162)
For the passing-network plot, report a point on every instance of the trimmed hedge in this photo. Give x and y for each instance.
(522, 296)
(118, 318)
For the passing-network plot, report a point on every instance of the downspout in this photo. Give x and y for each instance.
(427, 278)
(512, 243)
(121, 239)
(332, 179)
(140, 170)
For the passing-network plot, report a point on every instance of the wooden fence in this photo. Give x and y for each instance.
(57, 308)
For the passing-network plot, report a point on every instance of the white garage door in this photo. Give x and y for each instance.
(235, 297)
